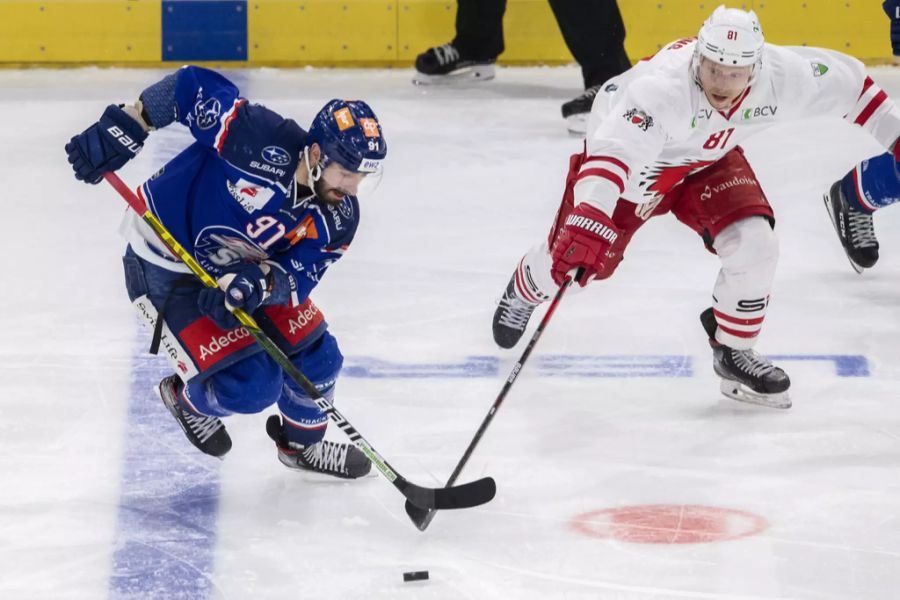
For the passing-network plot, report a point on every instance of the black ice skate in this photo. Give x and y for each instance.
(206, 433)
(577, 110)
(511, 317)
(746, 376)
(445, 64)
(855, 229)
(338, 460)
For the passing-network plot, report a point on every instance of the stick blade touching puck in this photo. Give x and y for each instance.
(415, 576)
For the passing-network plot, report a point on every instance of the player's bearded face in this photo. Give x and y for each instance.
(722, 84)
(337, 182)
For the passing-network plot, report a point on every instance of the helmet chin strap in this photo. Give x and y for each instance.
(314, 173)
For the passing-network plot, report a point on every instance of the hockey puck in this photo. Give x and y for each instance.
(415, 576)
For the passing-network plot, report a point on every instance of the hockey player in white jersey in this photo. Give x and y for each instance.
(664, 137)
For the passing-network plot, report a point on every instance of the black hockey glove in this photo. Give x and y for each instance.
(106, 145)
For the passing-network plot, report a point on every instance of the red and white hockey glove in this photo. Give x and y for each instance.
(583, 241)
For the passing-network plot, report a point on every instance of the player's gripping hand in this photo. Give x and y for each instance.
(246, 286)
(106, 145)
(583, 241)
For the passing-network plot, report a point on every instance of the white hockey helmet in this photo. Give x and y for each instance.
(732, 37)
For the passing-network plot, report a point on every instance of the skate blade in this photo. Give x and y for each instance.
(319, 478)
(577, 124)
(837, 230)
(466, 74)
(738, 391)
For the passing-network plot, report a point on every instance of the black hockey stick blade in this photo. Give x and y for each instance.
(420, 517)
(467, 495)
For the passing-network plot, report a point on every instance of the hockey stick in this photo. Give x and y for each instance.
(422, 516)
(466, 495)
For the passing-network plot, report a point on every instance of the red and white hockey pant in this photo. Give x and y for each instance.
(726, 206)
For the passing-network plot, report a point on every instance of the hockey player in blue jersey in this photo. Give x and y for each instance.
(871, 185)
(265, 207)
(852, 201)
(874, 183)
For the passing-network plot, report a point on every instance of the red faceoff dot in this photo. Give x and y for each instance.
(669, 524)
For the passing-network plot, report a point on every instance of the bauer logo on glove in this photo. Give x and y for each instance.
(236, 295)
(123, 138)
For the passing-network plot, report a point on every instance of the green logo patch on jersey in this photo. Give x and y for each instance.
(818, 69)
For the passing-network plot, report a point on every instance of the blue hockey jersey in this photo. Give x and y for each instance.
(231, 196)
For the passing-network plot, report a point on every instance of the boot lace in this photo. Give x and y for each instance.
(446, 54)
(516, 312)
(202, 426)
(751, 363)
(862, 230)
(327, 456)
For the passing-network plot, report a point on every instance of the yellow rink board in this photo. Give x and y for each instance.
(856, 27)
(80, 31)
(322, 31)
(392, 32)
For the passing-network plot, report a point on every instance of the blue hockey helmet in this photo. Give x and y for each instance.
(348, 133)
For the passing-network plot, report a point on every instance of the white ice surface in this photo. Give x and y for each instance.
(474, 177)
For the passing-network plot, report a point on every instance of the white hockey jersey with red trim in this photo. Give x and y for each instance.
(652, 126)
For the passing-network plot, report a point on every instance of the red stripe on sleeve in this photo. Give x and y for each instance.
(609, 175)
(227, 123)
(612, 160)
(870, 108)
(866, 85)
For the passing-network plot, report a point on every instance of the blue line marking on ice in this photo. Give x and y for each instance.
(166, 531)
(368, 367)
(575, 365)
(845, 365)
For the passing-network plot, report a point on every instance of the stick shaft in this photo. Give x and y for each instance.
(423, 518)
(513, 376)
